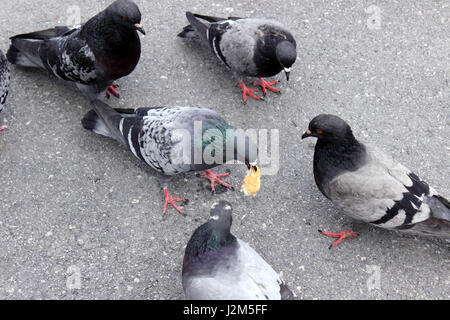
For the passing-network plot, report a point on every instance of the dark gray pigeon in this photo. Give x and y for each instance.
(4, 82)
(174, 140)
(249, 47)
(219, 266)
(372, 187)
(92, 55)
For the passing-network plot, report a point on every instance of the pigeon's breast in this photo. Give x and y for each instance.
(118, 67)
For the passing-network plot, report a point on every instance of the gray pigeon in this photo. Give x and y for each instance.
(92, 55)
(219, 266)
(4, 82)
(174, 140)
(249, 47)
(372, 187)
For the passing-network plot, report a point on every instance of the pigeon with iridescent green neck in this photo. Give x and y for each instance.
(219, 266)
(174, 140)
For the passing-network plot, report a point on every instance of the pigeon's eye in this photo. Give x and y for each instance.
(318, 131)
(124, 18)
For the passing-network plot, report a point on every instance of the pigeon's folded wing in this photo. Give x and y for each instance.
(261, 279)
(381, 192)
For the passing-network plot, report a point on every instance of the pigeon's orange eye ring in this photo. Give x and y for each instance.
(319, 131)
(124, 18)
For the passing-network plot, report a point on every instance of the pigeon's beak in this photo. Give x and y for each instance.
(251, 165)
(306, 134)
(288, 72)
(139, 28)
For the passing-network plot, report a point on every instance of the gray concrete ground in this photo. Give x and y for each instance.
(81, 218)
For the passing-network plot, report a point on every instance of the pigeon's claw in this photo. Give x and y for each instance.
(246, 91)
(112, 90)
(215, 178)
(3, 128)
(266, 85)
(170, 199)
(340, 235)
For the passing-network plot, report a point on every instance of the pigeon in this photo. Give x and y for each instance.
(370, 186)
(219, 266)
(4, 82)
(174, 140)
(249, 47)
(92, 55)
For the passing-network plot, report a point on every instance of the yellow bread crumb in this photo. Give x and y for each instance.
(252, 182)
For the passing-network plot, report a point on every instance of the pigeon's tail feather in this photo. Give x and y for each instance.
(16, 57)
(93, 122)
(197, 26)
(110, 118)
(188, 32)
(43, 34)
(438, 224)
(25, 53)
(208, 18)
(440, 207)
(286, 293)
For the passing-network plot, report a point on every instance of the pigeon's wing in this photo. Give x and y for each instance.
(382, 192)
(47, 33)
(61, 50)
(69, 57)
(4, 79)
(246, 45)
(259, 280)
(168, 134)
(211, 30)
(214, 19)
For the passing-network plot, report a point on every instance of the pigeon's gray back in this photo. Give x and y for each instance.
(239, 43)
(166, 141)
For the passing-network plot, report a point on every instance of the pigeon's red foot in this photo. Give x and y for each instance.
(215, 178)
(3, 128)
(266, 85)
(340, 235)
(246, 91)
(170, 199)
(112, 90)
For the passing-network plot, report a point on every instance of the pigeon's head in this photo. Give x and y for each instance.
(127, 14)
(286, 53)
(328, 127)
(245, 150)
(221, 215)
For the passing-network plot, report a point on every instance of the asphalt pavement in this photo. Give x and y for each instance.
(81, 218)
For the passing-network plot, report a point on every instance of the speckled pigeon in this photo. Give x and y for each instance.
(219, 266)
(174, 140)
(4, 82)
(92, 55)
(372, 187)
(249, 47)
